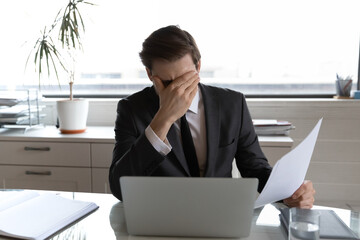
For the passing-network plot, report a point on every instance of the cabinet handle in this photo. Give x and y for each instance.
(37, 148)
(43, 173)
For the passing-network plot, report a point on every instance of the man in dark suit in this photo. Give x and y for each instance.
(180, 127)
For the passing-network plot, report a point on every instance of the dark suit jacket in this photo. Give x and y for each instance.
(229, 130)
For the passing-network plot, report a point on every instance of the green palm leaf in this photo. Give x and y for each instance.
(46, 54)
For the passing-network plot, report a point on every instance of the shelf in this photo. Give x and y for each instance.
(20, 109)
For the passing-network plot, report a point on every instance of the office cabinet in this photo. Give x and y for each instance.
(273, 154)
(101, 157)
(42, 158)
(45, 153)
(46, 178)
(101, 154)
(274, 147)
(45, 165)
(100, 180)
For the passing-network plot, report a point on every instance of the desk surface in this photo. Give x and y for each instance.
(101, 134)
(108, 221)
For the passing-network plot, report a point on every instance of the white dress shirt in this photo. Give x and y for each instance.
(196, 120)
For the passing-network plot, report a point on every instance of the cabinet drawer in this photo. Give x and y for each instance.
(273, 154)
(101, 154)
(45, 154)
(100, 180)
(46, 178)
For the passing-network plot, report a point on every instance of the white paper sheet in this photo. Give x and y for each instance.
(290, 171)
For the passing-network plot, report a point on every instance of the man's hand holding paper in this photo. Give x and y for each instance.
(303, 197)
(287, 177)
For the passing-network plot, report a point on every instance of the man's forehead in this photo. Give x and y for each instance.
(166, 70)
(169, 76)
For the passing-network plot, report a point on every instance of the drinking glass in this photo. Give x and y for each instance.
(304, 224)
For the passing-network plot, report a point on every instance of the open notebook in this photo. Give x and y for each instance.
(30, 215)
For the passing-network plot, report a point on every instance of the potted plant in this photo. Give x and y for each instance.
(50, 56)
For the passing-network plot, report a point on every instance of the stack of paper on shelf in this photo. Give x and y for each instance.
(11, 98)
(20, 108)
(265, 127)
(30, 215)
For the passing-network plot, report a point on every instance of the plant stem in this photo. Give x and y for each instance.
(71, 86)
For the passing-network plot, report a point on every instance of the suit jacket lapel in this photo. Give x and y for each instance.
(212, 120)
(172, 136)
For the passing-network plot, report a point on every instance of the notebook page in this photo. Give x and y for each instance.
(42, 216)
(12, 198)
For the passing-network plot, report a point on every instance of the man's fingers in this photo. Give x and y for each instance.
(303, 197)
(303, 203)
(193, 83)
(193, 92)
(300, 191)
(185, 80)
(304, 188)
(185, 85)
(158, 83)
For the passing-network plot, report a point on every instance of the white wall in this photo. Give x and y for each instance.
(335, 165)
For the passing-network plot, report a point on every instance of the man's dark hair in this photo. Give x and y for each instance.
(169, 43)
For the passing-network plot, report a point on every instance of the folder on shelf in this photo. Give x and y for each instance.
(272, 127)
(31, 215)
(12, 98)
(20, 108)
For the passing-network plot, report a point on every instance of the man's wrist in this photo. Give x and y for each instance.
(160, 126)
(163, 147)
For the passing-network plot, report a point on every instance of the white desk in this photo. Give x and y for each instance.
(108, 221)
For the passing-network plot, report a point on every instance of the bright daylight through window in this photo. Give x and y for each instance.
(256, 47)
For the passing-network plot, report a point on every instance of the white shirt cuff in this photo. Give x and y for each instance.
(163, 148)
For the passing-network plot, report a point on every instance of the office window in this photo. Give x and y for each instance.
(253, 46)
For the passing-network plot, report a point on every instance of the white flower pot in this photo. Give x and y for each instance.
(72, 115)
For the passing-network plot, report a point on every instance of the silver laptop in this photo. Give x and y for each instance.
(188, 207)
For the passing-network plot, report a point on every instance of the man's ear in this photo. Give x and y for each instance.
(198, 66)
(148, 71)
